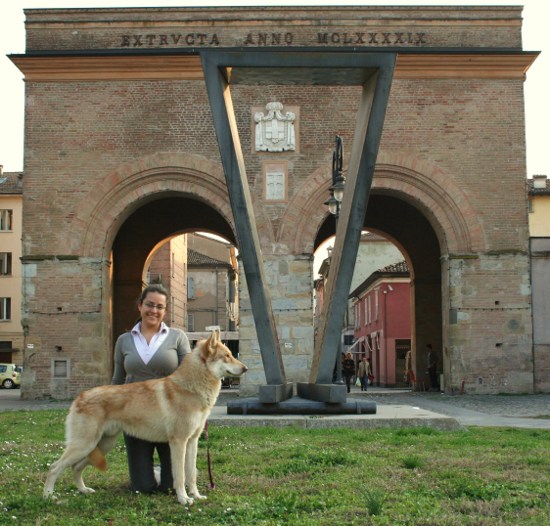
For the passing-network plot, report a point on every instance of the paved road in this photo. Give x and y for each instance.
(525, 411)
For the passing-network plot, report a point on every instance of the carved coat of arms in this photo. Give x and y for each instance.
(275, 131)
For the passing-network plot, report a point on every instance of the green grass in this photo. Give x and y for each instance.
(292, 476)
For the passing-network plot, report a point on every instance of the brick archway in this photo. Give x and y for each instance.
(418, 206)
(427, 188)
(306, 212)
(98, 216)
(441, 201)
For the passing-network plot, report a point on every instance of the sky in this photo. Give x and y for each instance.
(12, 41)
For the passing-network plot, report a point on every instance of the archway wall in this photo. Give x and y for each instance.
(102, 211)
(462, 164)
(462, 277)
(69, 313)
(470, 300)
(483, 329)
(487, 322)
(109, 130)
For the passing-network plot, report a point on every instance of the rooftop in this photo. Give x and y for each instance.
(195, 258)
(11, 183)
(538, 185)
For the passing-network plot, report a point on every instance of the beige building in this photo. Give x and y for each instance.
(539, 206)
(211, 285)
(539, 227)
(374, 252)
(168, 265)
(11, 213)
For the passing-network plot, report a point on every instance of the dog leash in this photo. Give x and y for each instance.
(208, 459)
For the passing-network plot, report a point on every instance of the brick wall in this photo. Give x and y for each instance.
(103, 142)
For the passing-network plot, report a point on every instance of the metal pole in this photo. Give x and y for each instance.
(339, 379)
(337, 163)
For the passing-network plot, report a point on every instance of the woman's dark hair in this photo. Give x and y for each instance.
(155, 287)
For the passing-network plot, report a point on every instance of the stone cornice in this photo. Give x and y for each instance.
(78, 68)
(108, 67)
(501, 66)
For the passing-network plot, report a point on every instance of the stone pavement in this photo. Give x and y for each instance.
(523, 411)
(395, 408)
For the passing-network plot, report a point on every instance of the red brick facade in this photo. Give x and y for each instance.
(120, 153)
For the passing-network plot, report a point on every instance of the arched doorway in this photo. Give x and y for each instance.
(408, 228)
(414, 233)
(122, 221)
(149, 224)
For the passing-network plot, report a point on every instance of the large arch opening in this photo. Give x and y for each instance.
(408, 228)
(148, 225)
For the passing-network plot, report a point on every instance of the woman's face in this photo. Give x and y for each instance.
(152, 309)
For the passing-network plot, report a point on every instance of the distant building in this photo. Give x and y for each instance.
(212, 289)
(200, 274)
(374, 252)
(382, 312)
(168, 265)
(539, 246)
(11, 212)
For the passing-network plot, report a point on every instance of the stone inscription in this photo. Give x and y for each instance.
(179, 39)
(353, 38)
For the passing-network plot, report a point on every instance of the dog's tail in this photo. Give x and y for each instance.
(97, 459)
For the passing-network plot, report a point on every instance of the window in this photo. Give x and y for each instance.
(276, 175)
(275, 186)
(60, 368)
(190, 288)
(6, 348)
(6, 218)
(376, 304)
(190, 323)
(5, 309)
(5, 263)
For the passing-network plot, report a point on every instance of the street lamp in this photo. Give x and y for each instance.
(333, 203)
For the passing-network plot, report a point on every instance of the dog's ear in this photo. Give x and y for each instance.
(214, 338)
(212, 342)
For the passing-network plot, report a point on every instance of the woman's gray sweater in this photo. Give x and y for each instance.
(129, 367)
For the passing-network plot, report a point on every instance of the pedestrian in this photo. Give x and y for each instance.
(409, 376)
(150, 350)
(348, 369)
(432, 360)
(364, 371)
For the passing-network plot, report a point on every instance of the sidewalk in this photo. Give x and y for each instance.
(395, 408)
(521, 411)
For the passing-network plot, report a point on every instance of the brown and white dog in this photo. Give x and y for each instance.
(173, 409)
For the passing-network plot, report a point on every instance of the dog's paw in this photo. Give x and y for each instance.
(186, 501)
(86, 490)
(198, 496)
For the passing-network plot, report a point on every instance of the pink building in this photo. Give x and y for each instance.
(382, 330)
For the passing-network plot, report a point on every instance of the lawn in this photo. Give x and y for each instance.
(291, 476)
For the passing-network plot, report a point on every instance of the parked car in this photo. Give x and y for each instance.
(10, 375)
